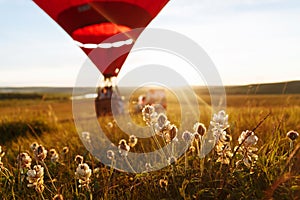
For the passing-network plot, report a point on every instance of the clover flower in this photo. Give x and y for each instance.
(132, 141)
(110, 155)
(78, 159)
(247, 140)
(54, 155)
(149, 115)
(199, 132)
(40, 153)
(123, 148)
(35, 178)
(163, 183)
(187, 136)
(171, 134)
(223, 148)
(221, 119)
(34, 145)
(24, 161)
(65, 150)
(110, 125)
(162, 121)
(148, 166)
(219, 123)
(292, 135)
(199, 128)
(86, 136)
(83, 173)
(172, 160)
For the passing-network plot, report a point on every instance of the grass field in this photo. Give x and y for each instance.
(49, 121)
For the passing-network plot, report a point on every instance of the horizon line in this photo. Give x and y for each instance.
(225, 85)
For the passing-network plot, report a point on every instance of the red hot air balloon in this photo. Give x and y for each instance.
(90, 22)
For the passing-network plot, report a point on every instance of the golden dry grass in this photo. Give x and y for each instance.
(271, 179)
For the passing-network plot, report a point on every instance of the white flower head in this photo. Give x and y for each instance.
(248, 137)
(35, 178)
(149, 114)
(219, 123)
(246, 149)
(171, 134)
(172, 160)
(86, 136)
(132, 141)
(34, 145)
(163, 183)
(162, 121)
(65, 150)
(40, 153)
(292, 135)
(225, 138)
(199, 128)
(187, 136)
(78, 159)
(148, 166)
(221, 118)
(54, 155)
(24, 161)
(83, 173)
(110, 125)
(123, 148)
(110, 155)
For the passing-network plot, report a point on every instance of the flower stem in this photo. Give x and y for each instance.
(129, 165)
(49, 175)
(185, 161)
(42, 195)
(158, 144)
(290, 151)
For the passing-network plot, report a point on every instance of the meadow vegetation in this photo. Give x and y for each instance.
(273, 174)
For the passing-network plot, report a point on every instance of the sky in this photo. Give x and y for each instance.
(249, 41)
